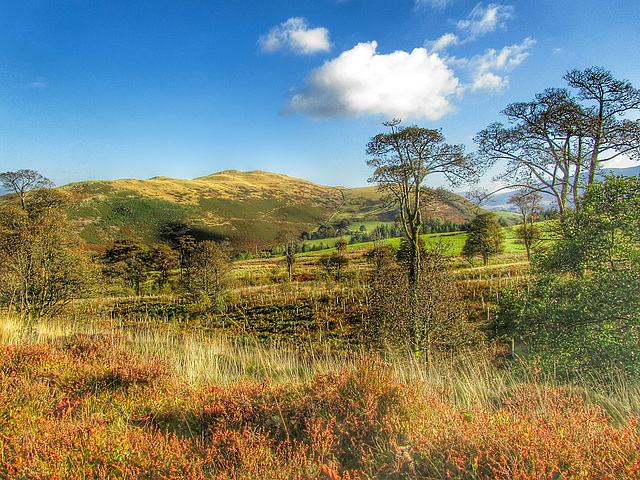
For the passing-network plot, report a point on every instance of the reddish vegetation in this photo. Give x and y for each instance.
(83, 408)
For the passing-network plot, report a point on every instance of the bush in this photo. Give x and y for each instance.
(434, 319)
(582, 313)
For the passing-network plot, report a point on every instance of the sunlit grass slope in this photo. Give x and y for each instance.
(366, 205)
(242, 207)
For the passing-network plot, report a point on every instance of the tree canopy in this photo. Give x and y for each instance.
(484, 237)
(554, 139)
(23, 181)
(582, 312)
(41, 270)
(401, 160)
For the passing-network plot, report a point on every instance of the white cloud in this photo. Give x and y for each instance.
(487, 70)
(442, 43)
(479, 22)
(505, 59)
(294, 35)
(484, 20)
(489, 81)
(363, 82)
(484, 68)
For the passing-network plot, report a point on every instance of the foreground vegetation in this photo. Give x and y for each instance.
(87, 406)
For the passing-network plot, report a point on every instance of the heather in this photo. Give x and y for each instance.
(87, 406)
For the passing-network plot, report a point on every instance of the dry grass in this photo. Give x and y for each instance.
(88, 406)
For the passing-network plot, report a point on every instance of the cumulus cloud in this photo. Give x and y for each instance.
(363, 82)
(484, 20)
(419, 84)
(296, 36)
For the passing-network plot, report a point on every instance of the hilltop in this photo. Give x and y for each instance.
(244, 208)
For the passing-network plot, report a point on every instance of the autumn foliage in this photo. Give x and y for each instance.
(83, 407)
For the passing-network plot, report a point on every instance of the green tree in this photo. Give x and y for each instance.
(335, 262)
(41, 267)
(603, 233)
(435, 322)
(529, 235)
(164, 259)
(186, 245)
(485, 237)
(128, 260)
(210, 271)
(290, 258)
(582, 311)
(24, 181)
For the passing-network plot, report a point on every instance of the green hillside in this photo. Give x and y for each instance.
(244, 208)
(241, 207)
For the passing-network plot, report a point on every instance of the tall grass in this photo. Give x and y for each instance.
(95, 401)
(472, 378)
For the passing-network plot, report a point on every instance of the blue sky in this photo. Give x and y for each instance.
(107, 89)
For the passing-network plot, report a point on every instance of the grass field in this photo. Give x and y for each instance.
(274, 380)
(454, 240)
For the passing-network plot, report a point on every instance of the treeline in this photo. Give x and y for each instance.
(343, 228)
(43, 266)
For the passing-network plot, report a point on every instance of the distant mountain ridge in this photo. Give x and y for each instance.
(500, 201)
(244, 208)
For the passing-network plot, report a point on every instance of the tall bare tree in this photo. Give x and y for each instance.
(544, 147)
(402, 160)
(554, 138)
(610, 135)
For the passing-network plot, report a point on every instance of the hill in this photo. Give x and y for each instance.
(366, 204)
(244, 208)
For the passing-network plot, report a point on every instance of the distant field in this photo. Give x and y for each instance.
(455, 240)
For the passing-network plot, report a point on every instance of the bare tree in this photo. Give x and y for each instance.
(477, 196)
(23, 181)
(554, 138)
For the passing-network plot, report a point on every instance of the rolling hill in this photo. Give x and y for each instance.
(244, 208)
